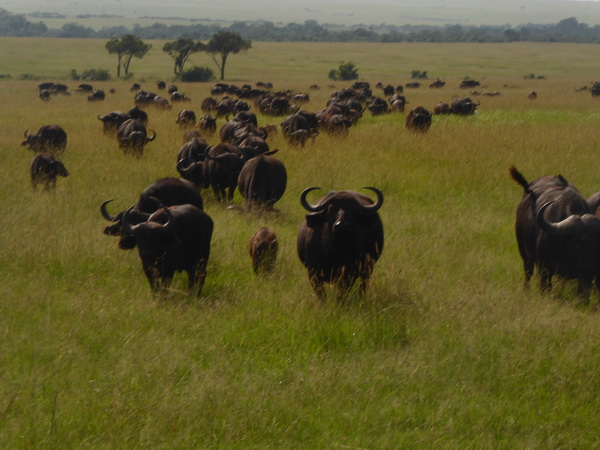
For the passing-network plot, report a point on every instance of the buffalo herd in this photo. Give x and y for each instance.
(342, 237)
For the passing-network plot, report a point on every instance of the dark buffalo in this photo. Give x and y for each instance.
(161, 85)
(222, 167)
(437, 84)
(190, 161)
(297, 128)
(112, 121)
(207, 125)
(441, 108)
(557, 233)
(49, 138)
(341, 239)
(44, 169)
(173, 239)
(262, 181)
(336, 124)
(263, 248)
(532, 95)
(97, 96)
(209, 104)
(133, 137)
(165, 191)
(85, 87)
(45, 95)
(186, 119)
(463, 106)
(418, 119)
(179, 97)
(139, 115)
(469, 84)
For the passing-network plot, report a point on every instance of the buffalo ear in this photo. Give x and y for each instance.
(315, 220)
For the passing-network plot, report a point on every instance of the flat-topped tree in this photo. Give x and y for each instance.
(223, 43)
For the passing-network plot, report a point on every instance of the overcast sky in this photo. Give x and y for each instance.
(397, 12)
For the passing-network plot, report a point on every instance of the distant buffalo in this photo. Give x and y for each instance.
(44, 169)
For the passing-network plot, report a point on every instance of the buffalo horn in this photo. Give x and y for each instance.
(562, 228)
(182, 168)
(25, 134)
(105, 213)
(306, 205)
(153, 136)
(374, 207)
(127, 228)
(100, 118)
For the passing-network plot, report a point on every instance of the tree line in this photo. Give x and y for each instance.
(567, 30)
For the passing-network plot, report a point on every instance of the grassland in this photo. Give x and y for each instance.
(445, 351)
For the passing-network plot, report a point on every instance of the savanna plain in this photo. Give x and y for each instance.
(446, 349)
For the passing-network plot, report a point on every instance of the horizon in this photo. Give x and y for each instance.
(348, 12)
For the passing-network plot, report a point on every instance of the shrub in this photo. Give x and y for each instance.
(29, 76)
(197, 73)
(91, 75)
(346, 71)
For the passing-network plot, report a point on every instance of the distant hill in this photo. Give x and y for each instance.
(346, 12)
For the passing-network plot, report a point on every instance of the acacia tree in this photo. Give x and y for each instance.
(180, 50)
(126, 48)
(222, 44)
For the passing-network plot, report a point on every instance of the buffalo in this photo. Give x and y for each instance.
(341, 239)
(97, 96)
(262, 181)
(298, 128)
(441, 108)
(418, 119)
(44, 169)
(469, 84)
(263, 248)
(186, 119)
(222, 167)
(49, 138)
(190, 161)
(173, 239)
(165, 191)
(463, 106)
(557, 233)
(207, 125)
(132, 137)
(112, 121)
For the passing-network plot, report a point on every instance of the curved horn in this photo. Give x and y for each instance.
(25, 134)
(375, 206)
(105, 213)
(153, 136)
(562, 228)
(182, 168)
(306, 205)
(100, 118)
(127, 228)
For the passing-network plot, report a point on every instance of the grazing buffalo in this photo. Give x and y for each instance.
(299, 127)
(166, 191)
(469, 84)
(341, 239)
(45, 95)
(139, 115)
(49, 138)
(437, 84)
(132, 137)
(190, 161)
(532, 95)
(262, 181)
(186, 119)
(112, 121)
(557, 233)
(207, 125)
(463, 106)
(418, 119)
(97, 96)
(173, 239)
(263, 248)
(441, 108)
(222, 168)
(44, 169)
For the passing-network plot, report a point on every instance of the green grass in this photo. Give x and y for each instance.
(446, 350)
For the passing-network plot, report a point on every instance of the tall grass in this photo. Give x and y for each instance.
(446, 349)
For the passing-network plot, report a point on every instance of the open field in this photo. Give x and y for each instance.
(445, 351)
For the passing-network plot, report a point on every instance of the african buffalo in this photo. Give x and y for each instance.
(441, 108)
(44, 169)
(112, 121)
(262, 181)
(49, 138)
(557, 233)
(132, 137)
(186, 119)
(207, 125)
(468, 84)
(263, 248)
(190, 161)
(297, 128)
(173, 239)
(418, 119)
(463, 106)
(166, 191)
(97, 96)
(222, 167)
(341, 239)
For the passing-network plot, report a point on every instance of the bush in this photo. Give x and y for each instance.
(197, 73)
(346, 71)
(91, 75)
(29, 76)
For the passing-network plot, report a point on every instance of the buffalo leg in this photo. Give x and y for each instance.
(317, 286)
(528, 267)
(196, 277)
(583, 290)
(545, 281)
(153, 278)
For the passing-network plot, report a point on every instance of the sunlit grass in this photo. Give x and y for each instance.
(445, 350)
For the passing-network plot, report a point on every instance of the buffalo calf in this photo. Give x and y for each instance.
(263, 250)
